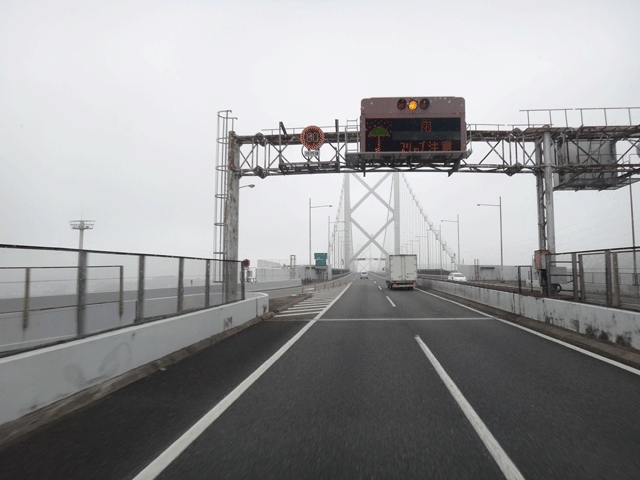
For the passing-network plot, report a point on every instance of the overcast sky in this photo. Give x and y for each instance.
(108, 110)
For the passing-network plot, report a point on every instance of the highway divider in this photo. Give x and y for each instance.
(51, 377)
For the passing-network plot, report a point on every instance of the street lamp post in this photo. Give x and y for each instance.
(499, 206)
(457, 220)
(82, 225)
(310, 207)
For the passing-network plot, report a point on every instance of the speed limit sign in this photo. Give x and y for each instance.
(312, 137)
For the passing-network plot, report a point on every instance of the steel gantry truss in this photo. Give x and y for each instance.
(560, 158)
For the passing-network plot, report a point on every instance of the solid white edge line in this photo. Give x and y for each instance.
(331, 304)
(161, 462)
(444, 319)
(392, 304)
(542, 335)
(508, 468)
(456, 303)
(573, 347)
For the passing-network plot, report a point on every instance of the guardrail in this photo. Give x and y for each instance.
(44, 298)
(601, 277)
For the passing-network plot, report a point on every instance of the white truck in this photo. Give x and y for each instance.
(402, 271)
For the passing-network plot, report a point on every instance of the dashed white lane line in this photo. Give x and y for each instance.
(392, 304)
(508, 468)
(380, 287)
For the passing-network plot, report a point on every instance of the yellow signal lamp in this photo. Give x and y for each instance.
(413, 105)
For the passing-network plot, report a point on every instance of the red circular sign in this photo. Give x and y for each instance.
(312, 137)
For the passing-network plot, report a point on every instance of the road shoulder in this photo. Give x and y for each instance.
(626, 355)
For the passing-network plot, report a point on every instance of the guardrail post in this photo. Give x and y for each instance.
(82, 292)
(140, 303)
(583, 293)
(121, 267)
(615, 281)
(574, 271)
(180, 284)
(242, 281)
(607, 275)
(207, 284)
(27, 287)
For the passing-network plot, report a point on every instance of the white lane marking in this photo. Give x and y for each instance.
(297, 314)
(392, 304)
(508, 468)
(331, 304)
(475, 319)
(170, 454)
(459, 304)
(380, 287)
(577, 349)
(560, 342)
(308, 307)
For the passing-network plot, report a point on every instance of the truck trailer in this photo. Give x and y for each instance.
(402, 271)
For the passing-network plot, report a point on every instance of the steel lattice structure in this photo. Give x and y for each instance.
(586, 157)
(515, 151)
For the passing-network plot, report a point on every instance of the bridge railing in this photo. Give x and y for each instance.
(50, 294)
(607, 277)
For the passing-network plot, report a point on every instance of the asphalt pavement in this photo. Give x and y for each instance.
(379, 384)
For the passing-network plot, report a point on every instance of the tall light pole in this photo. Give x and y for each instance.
(82, 225)
(310, 207)
(457, 220)
(633, 229)
(500, 206)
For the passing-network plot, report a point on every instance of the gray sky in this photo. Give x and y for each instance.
(108, 110)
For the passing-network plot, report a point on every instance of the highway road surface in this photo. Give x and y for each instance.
(377, 384)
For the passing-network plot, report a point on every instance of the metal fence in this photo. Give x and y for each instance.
(600, 277)
(56, 294)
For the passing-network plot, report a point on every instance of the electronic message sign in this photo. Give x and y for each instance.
(413, 124)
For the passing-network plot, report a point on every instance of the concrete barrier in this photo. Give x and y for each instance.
(620, 326)
(32, 380)
(53, 324)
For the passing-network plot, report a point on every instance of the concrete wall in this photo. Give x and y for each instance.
(32, 380)
(615, 325)
(53, 324)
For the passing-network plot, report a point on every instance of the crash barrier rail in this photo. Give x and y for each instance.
(517, 279)
(50, 294)
(600, 277)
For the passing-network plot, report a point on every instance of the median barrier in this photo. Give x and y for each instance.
(45, 377)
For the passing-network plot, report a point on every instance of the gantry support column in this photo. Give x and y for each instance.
(542, 223)
(347, 221)
(230, 269)
(548, 192)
